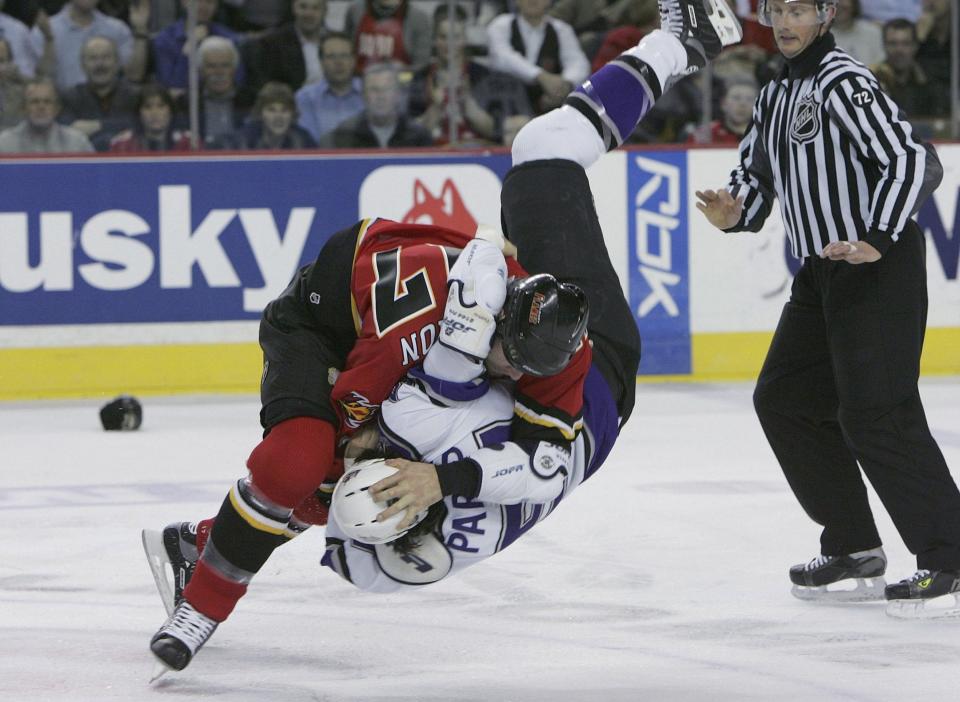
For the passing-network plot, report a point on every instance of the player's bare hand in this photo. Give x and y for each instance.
(720, 208)
(850, 251)
(415, 486)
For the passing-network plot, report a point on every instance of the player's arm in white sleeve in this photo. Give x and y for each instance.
(477, 289)
(509, 473)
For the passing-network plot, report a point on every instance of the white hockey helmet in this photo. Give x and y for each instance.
(764, 10)
(355, 510)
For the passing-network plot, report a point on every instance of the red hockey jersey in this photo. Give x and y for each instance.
(398, 295)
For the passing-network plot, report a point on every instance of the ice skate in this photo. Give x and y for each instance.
(704, 27)
(927, 594)
(181, 636)
(172, 556)
(856, 577)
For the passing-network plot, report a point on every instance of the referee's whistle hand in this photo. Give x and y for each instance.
(720, 208)
(850, 251)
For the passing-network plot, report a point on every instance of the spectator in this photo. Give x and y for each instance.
(73, 25)
(739, 61)
(291, 54)
(39, 131)
(480, 14)
(256, 16)
(170, 60)
(11, 88)
(592, 20)
(860, 38)
(882, 11)
(902, 77)
(754, 33)
(274, 125)
(153, 128)
(541, 51)
(389, 30)
(484, 97)
(640, 18)
(21, 47)
(675, 114)
(336, 98)
(382, 124)
(223, 107)
(106, 103)
(736, 111)
(511, 127)
(933, 33)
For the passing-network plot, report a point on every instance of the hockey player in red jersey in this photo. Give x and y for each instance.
(351, 323)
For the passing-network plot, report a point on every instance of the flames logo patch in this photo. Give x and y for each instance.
(357, 410)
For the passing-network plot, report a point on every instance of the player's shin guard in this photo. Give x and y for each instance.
(257, 515)
(245, 532)
(617, 97)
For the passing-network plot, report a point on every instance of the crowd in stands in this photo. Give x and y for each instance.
(114, 75)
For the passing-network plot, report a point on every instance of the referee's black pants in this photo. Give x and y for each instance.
(839, 385)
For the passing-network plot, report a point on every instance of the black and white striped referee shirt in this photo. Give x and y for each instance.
(837, 153)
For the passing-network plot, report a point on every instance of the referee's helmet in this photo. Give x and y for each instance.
(764, 10)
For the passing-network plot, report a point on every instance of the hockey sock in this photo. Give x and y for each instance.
(255, 517)
(616, 98)
(212, 594)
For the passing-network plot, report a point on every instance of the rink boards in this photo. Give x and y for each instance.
(148, 276)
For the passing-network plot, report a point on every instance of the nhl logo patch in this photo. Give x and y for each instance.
(806, 121)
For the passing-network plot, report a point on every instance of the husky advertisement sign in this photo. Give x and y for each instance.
(182, 240)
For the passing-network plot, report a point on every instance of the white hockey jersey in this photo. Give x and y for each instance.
(427, 426)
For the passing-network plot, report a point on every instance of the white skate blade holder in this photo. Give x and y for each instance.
(159, 563)
(849, 590)
(943, 607)
(724, 21)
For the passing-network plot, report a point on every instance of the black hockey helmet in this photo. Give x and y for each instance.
(542, 323)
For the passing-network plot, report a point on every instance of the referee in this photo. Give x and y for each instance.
(839, 384)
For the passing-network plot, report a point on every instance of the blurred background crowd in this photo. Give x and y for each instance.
(115, 75)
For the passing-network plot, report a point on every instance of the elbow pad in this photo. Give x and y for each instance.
(478, 289)
(511, 474)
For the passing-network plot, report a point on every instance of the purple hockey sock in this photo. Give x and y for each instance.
(616, 97)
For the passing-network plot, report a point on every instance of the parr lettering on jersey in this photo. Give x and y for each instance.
(462, 527)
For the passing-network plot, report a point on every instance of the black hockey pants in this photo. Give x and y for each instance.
(839, 385)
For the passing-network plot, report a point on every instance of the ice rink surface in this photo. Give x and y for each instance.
(663, 578)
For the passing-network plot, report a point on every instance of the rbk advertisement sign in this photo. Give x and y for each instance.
(659, 259)
(180, 240)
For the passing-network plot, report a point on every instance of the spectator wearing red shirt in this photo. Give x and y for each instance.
(153, 130)
(389, 30)
(736, 111)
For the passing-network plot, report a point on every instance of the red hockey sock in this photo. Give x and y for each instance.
(211, 594)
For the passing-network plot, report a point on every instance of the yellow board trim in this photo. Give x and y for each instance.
(739, 356)
(106, 371)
